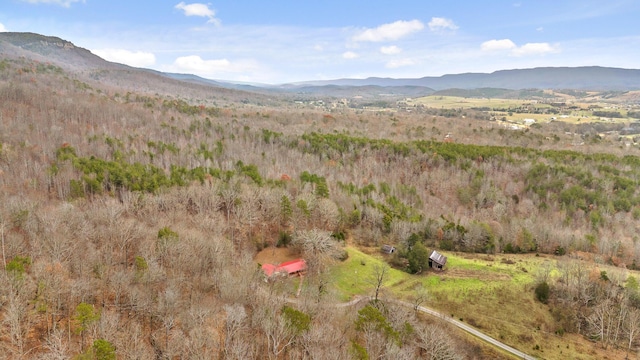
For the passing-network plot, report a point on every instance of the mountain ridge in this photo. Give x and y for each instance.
(583, 78)
(63, 52)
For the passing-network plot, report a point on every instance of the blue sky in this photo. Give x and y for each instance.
(280, 41)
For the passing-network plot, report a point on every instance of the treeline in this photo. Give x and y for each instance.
(608, 114)
(634, 114)
(586, 188)
(604, 307)
(99, 176)
(565, 177)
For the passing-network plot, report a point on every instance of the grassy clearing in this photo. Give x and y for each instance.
(352, 276)
(580, 115)
(455, 102)
(491, 293)
(463, 273)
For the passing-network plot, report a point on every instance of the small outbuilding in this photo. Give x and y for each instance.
(388, 249)
(437, 261)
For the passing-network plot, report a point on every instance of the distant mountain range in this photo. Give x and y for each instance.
(334, 90)
(581, 78)
(67, 55)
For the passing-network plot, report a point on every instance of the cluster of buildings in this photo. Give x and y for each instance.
(298, 267)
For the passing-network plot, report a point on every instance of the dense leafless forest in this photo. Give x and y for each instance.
(130, 217)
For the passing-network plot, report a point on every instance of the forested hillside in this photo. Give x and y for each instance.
(130, 220)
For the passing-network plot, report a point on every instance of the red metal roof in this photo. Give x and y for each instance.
(293, 266)
(287, 267)
(269, 269)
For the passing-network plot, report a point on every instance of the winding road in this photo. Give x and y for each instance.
(471, 330)
(448, 319)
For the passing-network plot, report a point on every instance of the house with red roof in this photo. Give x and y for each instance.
(287, 268)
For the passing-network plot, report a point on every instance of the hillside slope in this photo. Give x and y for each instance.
(95, 71)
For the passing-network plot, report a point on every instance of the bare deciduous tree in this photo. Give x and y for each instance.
(374, 341)
(2, 227)
(315, 242)
(435, 344)
(395, 352)
(229, 200)
(133, 344)
(235, 327)
(317, 247)
(328, 214)
(632, 328)
(326, 339)
(544, 271)
(56, 346)
(126, 232)
(240, 349)
(17, 323)
(377, 277)
(279, 335)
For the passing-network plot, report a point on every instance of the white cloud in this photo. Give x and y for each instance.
(535, 49)
(394, 64)
(441, 24)
(2, 28)
(64, 3)
(498, 45)
(392, 31)
(390, 50)
(198, 9)
(349, 55)
(216, 68)
(540, 29)
(526, 49)
(196, 64)
(131, 58)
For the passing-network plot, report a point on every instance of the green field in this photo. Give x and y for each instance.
(456, 102)
(499, 108)
(351, 276)
(493, 293)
